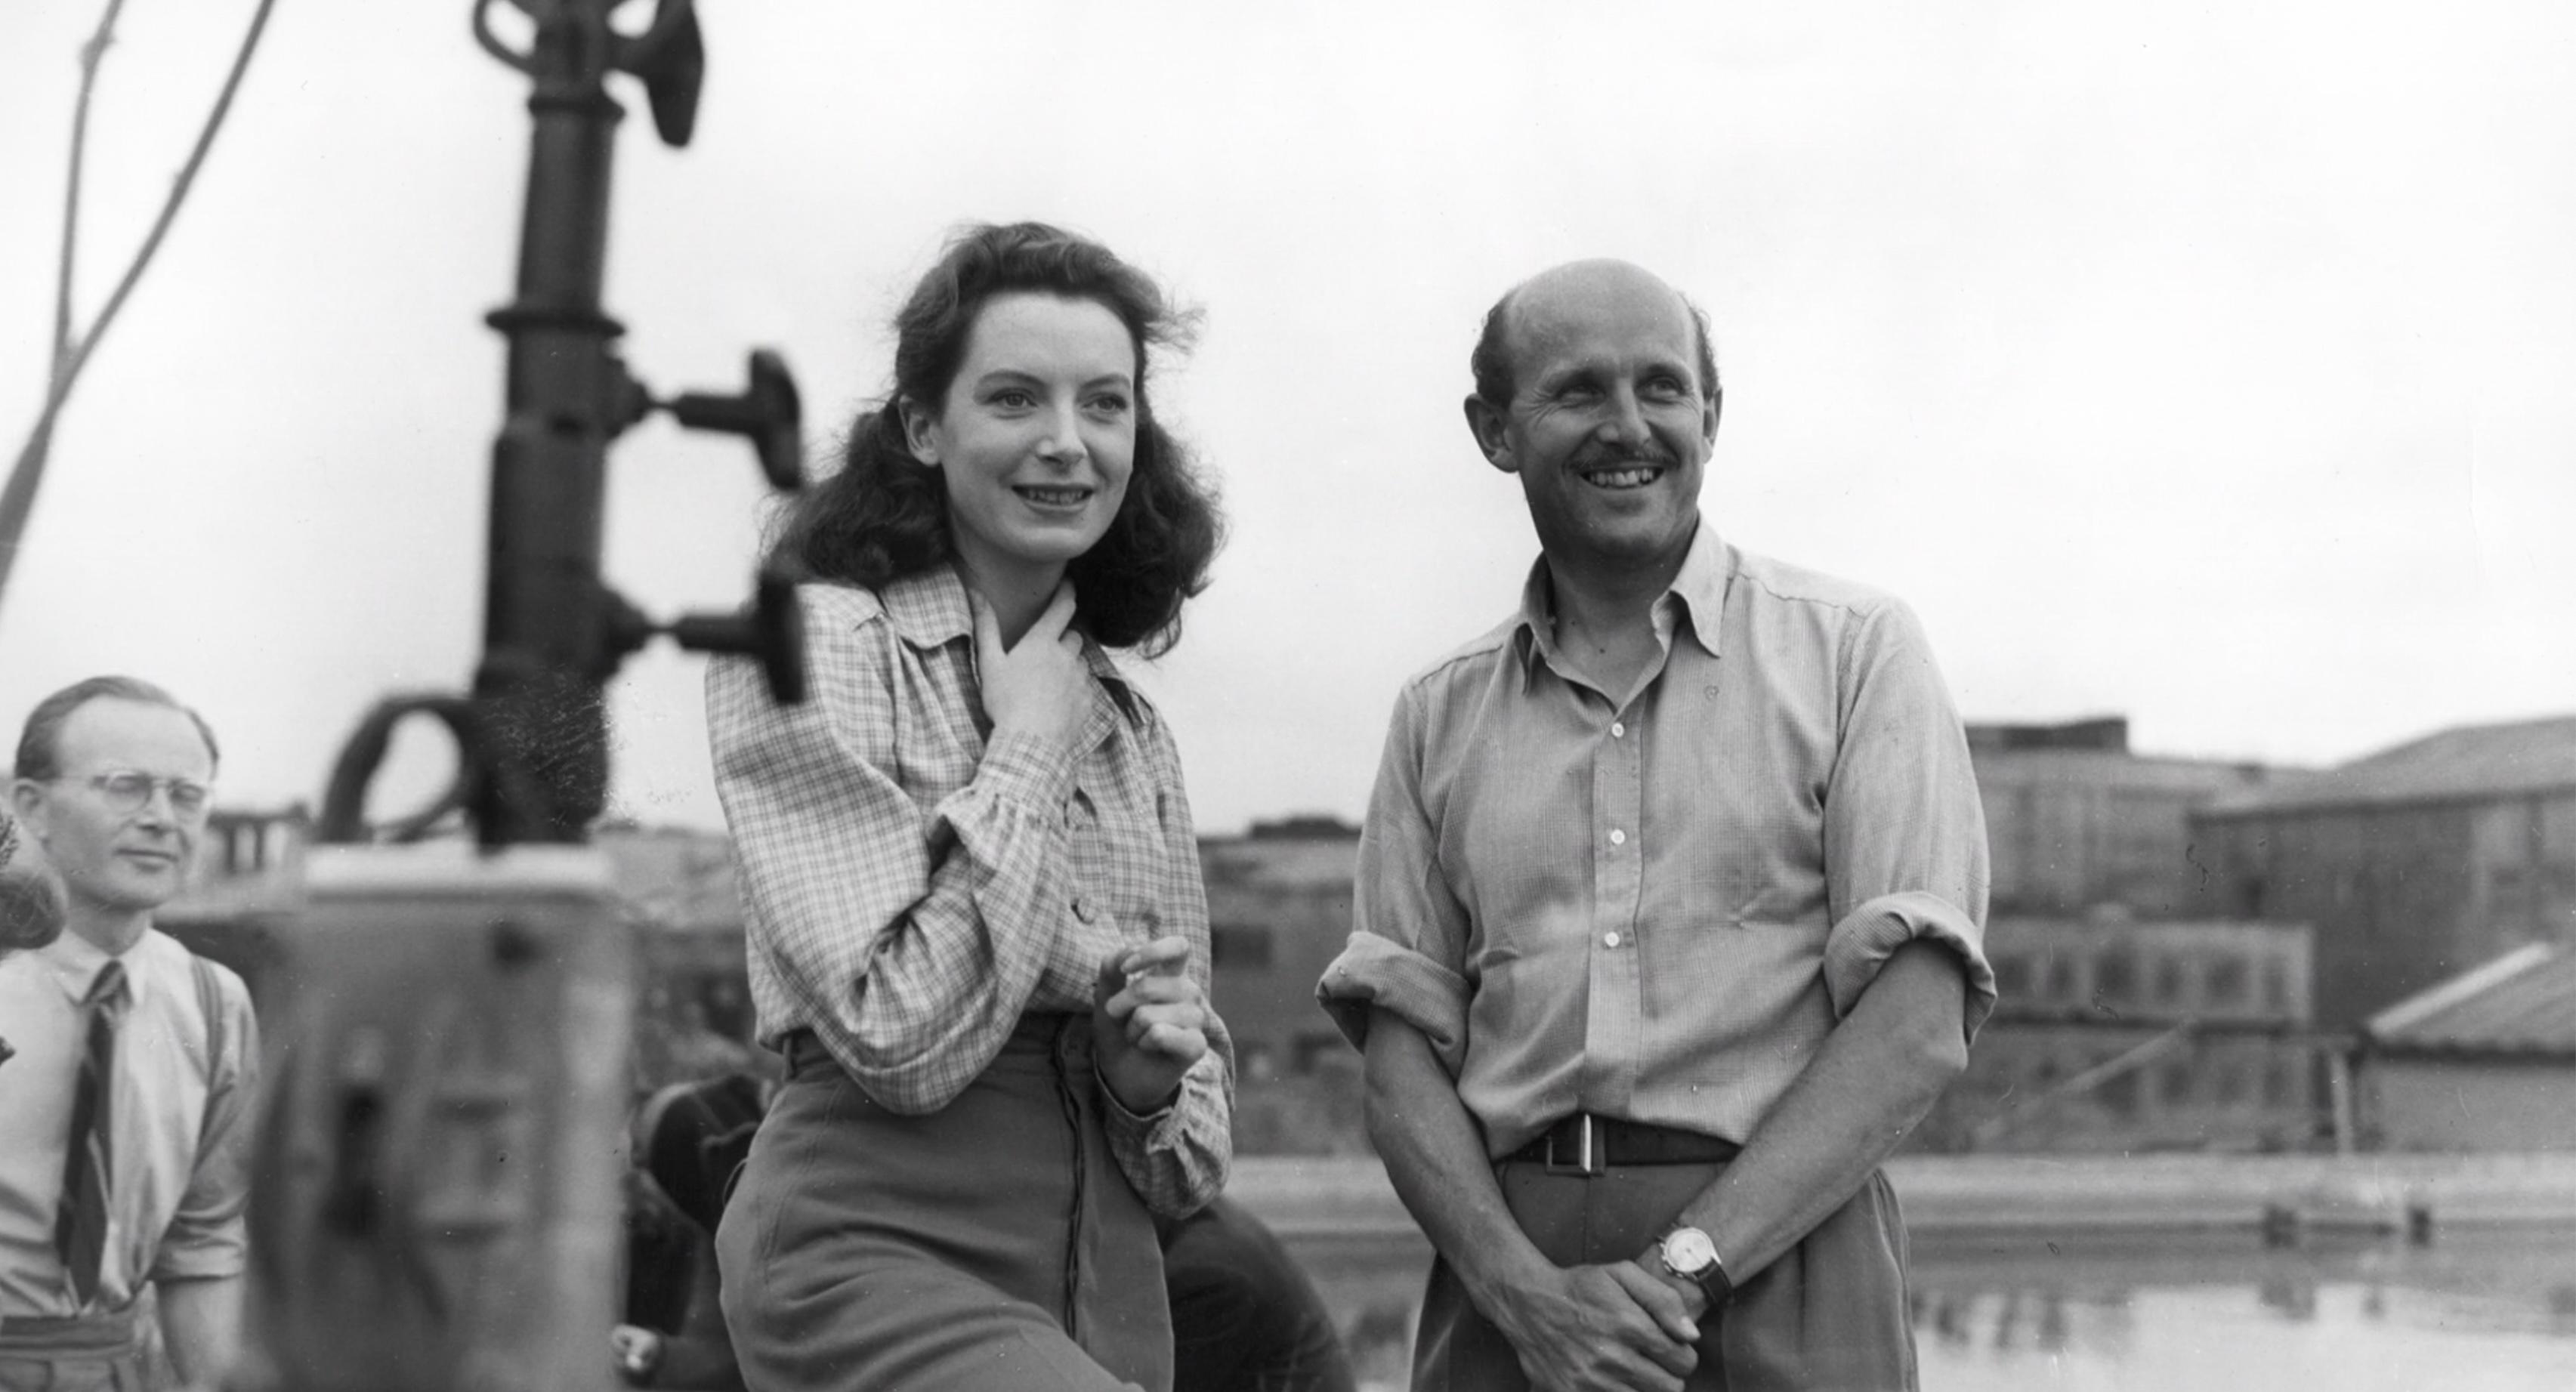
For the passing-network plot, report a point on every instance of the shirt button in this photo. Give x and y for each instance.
(1082, 909)
(1609, 940)
(1618, 729)
(1618, 837)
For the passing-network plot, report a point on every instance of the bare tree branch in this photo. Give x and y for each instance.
(71, 353)
(90, 55)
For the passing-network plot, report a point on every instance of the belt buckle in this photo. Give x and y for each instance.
(1588, 1161)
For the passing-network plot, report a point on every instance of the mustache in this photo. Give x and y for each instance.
(1599, 455)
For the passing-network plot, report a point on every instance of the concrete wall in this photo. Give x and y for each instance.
(2441, 1105)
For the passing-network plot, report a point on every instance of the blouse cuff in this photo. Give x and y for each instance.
(1031, 770)
(1867, 936)
(1140, 1123)
(1379, 972)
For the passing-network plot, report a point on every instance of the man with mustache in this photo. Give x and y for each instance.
(123, 1156)
(1669, 908)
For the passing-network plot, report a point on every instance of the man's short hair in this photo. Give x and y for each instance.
(40, 743)
(1492, 360)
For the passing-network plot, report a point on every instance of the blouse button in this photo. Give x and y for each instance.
(1609, 940)
(1618, 837)
(1618, 729)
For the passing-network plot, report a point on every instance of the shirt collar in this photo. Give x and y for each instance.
(1698, 591)
(929, 609)
(74, 962)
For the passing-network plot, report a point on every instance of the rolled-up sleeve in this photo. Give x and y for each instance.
(1409, 932)
(207, 1236)
(1905, 836)
(912, 942)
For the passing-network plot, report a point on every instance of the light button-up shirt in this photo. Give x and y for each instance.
(1656, 908)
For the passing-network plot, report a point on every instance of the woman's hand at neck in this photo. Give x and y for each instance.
(1038, 682)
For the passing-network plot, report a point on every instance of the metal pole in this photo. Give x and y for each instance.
(546, 646)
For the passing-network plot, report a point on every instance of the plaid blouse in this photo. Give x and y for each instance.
(914, 883)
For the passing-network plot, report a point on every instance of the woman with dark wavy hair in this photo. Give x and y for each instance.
(975, 926)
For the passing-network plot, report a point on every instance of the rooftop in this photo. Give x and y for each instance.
(2466, 763)
(2521, 1003)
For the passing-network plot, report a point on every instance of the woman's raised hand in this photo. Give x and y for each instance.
(1041, 685)
(1148, 1022)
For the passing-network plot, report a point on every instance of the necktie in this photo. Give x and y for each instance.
(80, 1227)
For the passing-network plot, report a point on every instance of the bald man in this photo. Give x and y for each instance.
(1669, 913)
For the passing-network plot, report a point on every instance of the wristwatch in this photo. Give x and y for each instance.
(1690, 1254)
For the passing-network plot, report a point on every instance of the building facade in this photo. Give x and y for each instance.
(1279, 911)
(2414, 864)
(2075, 820)
(2117, 1034)
(2485, 1061)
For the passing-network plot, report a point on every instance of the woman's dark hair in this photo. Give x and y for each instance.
(884, 515)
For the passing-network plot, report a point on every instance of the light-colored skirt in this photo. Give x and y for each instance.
(993, 1244)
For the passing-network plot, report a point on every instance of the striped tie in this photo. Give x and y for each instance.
(80, 1228)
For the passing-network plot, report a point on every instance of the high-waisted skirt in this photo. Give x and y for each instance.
(993, 1244)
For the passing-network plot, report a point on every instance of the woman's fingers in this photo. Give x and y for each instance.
(1181, 1046)
(1164, 956)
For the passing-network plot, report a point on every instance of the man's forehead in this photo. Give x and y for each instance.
(1599, 302)
(113, 729)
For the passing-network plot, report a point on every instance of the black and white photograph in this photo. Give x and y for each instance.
(1342, 697)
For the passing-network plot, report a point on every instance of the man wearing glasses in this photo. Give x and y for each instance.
(123, 1159)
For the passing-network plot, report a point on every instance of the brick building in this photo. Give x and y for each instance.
(2414, 863)
(1279, 910)
(2075, 820)
(2117, 1034)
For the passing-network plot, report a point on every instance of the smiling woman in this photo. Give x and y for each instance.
(975, 925)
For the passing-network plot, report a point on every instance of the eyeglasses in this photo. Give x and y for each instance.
(128, 793)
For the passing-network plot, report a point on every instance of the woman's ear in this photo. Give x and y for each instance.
(920, 431)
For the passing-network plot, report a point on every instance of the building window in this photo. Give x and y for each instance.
(1238, 947)
(2174, 1084)
(2227, 981)
(2276, 987)
(2061, 979)
(2012, 976)
(2281, 1082)
(1313, 1047)
(2120, 1094)
(1258, 1063)
(2115, 976)
(2168, 981)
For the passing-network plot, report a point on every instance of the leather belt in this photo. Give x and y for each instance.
(1584, 1144)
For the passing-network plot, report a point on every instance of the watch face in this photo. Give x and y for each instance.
(1689, 1251)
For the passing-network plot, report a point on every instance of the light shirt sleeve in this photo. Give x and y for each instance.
(207, 1237)
(1408, 944)
(1905, 836)
(911, 942)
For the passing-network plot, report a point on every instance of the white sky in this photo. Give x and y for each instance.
(2210, 364)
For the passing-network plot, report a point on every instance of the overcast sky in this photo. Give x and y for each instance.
(2206, 364)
